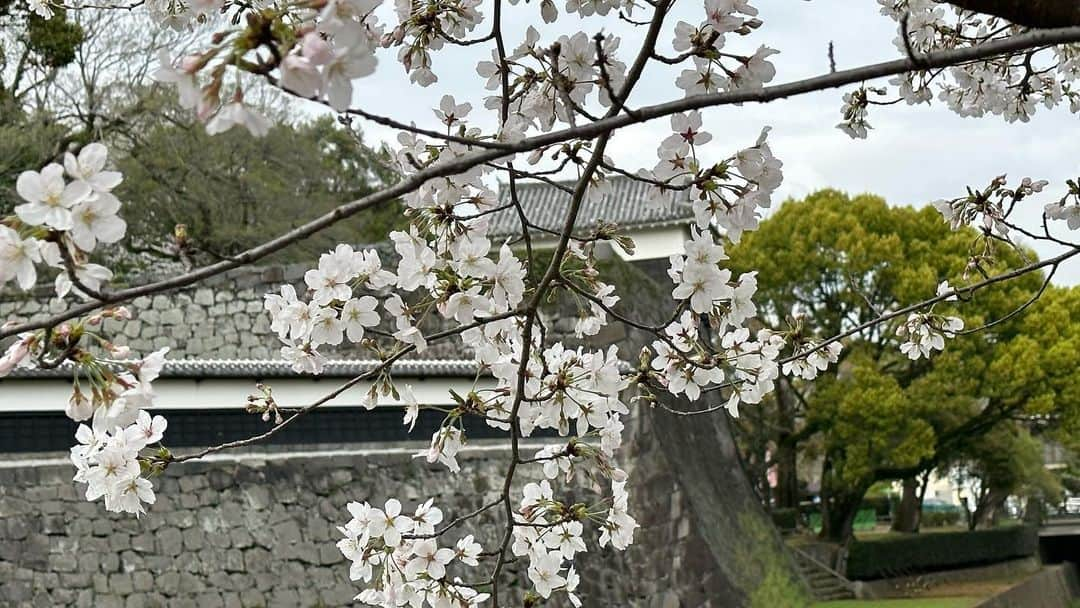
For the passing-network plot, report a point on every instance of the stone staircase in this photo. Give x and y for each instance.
(824, 582)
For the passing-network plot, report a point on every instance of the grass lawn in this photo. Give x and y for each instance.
(929, 602)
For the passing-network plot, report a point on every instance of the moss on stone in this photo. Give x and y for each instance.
(760, 558)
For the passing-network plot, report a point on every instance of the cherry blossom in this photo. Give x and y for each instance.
(18, 257)
(49, 198)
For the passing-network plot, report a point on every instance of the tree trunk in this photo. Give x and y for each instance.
(787, 475)
(986, 512)
(909, 511)
(839, 504)
(750, 566)
(838, 512)
(1033, 510)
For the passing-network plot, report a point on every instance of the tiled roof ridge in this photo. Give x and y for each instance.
(628, 205)
(277, 368)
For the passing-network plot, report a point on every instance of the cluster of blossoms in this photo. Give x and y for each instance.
(990, 210)
(1010, 86)
(549, 83)
(923, 333)
(316, 54)
(703, 43)
(399, 557)
(811, 358)
(729, 194)
(107, 457)
(427, 26)
(549, 535)
(68, 210)
(332, 314)
(688, 362)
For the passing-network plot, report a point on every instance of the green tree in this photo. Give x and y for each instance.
(1007, 461)
(229, 192)
(836, 262)
(31, 50)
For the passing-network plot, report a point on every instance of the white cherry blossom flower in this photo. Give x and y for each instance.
(544, 573)
(17, 258)
(468, 551)
(429, 559)
(389, 523)
(49, 198)
(89, 166)
(358, 314)
(236, 113)
(95, 221)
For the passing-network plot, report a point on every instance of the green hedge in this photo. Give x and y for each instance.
(909, 554)
(865, 519)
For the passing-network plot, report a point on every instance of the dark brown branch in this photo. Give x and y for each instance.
(1032, 13)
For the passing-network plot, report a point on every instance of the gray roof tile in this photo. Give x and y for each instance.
(546, 205)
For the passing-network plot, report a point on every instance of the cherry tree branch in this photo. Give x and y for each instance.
(608, 124)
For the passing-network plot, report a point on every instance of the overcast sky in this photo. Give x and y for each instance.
(913, 155)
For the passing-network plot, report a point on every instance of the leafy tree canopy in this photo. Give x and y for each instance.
(840, 261)
(229, 192)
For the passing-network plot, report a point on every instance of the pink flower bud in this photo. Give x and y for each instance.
(15, 355)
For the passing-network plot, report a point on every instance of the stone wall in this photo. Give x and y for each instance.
(254, 530)
(257, 529)
(1054, 586)
(221, 318)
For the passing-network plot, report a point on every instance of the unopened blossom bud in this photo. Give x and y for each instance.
(122, 313)
(79, 408)
(16, 353)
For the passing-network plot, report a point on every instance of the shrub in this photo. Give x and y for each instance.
(865, 519)
(940, 519)
(909, 554)
(880, 504)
